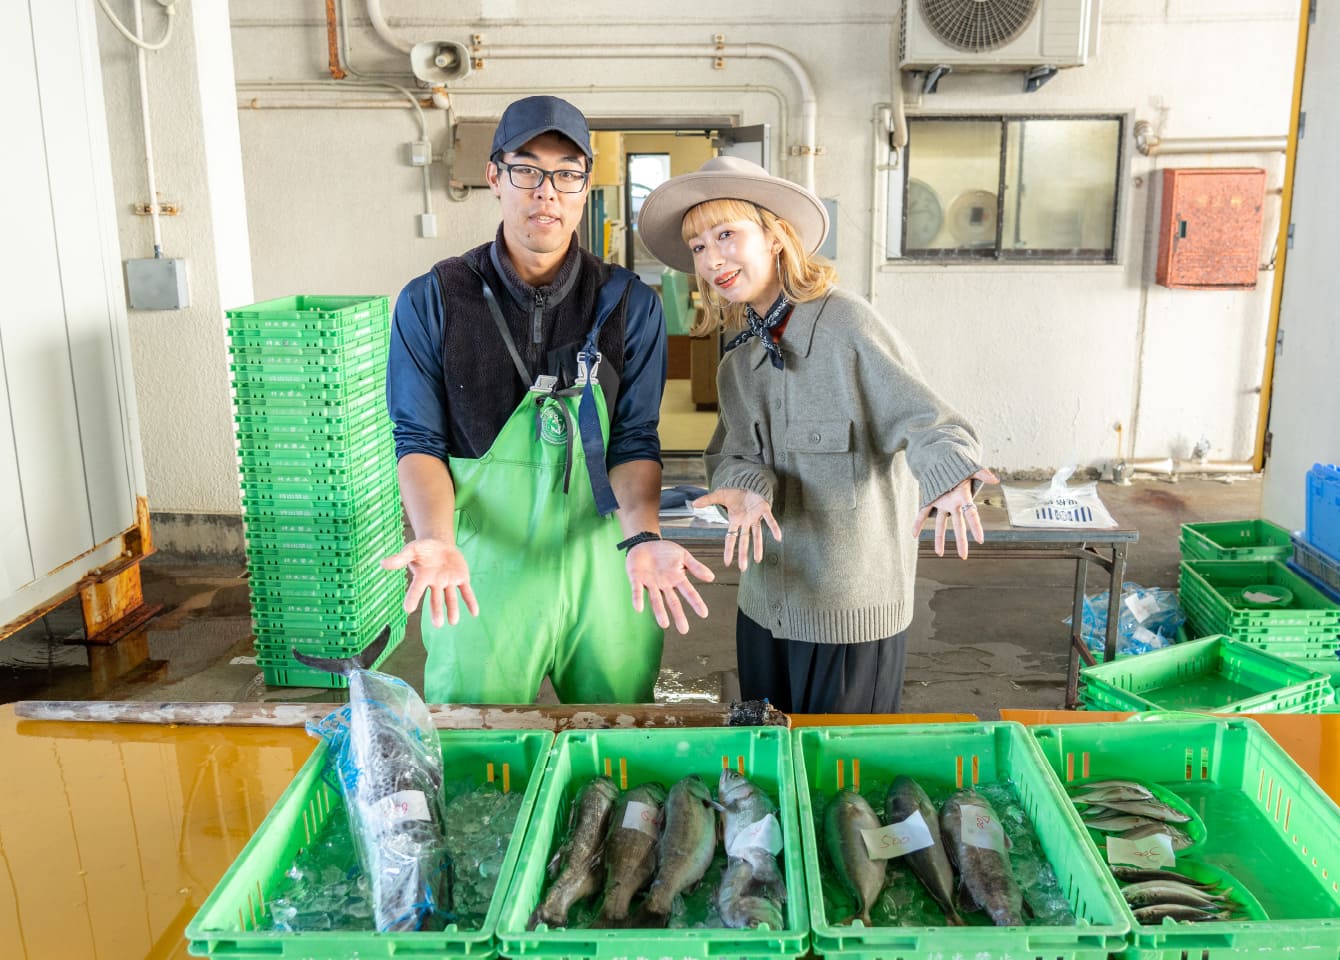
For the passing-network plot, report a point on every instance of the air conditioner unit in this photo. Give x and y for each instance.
(997, 34)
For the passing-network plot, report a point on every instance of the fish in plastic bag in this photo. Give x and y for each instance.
(387, 761)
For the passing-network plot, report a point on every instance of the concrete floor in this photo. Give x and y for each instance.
(987, 633)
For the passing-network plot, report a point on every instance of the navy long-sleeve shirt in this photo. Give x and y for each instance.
(447, 409)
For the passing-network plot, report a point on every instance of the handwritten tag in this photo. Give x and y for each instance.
(401, 806)
(1153, 851)
(896, 839)
(1141, 607)
(765, 834)
(981, 829)
(641, 817)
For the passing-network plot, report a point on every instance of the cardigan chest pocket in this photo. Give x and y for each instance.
(820, 457)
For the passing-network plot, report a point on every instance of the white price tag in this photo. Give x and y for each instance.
(1141, 607)
(981, 829)
(402, 806)
(765, 834)
(641, 817)
(896, 839)
(1145, 636)
(1155, 850)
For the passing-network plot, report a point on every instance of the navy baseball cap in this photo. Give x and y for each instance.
(526, 119)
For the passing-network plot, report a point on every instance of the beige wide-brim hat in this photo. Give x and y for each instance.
(660, 222)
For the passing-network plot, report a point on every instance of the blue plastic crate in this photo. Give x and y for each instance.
(1323, 508)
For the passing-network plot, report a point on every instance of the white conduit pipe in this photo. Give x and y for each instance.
(143, 66)
(382, 30)
(1151, 144)
(809, 104)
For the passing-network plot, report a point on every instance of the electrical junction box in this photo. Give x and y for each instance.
(471, 140)
(1210, 228)
(158, 283)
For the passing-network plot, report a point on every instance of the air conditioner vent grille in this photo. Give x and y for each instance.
(978, 25)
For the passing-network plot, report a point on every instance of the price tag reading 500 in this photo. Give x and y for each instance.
(897, 839)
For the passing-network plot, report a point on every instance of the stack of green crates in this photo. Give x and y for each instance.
(1235, 540)
(319, 494)
(1305, 629)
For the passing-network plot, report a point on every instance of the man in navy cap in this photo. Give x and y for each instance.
(525, 383)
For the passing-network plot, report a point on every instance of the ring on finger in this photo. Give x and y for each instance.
(966, 507)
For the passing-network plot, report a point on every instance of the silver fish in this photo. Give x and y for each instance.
(630, 851)
(582, 855)
(1180, 839)
(1119, 823)
(1173, 911)
(1128, 874)
(847, 814)
(931, 864)
(1104, 784)
(1149, 809)
(986, 881)
(1166, 891)
(743, 804)
(742, 908)
(1133, 791)
(687, 844)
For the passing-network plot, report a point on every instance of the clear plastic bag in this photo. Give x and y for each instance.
(1057, 505)
(386, 760)
(1149, 620)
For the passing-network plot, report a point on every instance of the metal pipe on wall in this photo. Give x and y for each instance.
(1151, 144)
(809, 104)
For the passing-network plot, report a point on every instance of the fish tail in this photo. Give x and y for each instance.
(343, 666)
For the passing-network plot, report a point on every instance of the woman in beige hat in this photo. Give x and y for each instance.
(828, 435)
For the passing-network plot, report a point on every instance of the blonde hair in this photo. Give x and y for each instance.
(804, 277)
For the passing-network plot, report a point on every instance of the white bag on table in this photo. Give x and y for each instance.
(1056, 505)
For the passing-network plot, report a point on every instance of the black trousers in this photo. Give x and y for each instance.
(799, 677)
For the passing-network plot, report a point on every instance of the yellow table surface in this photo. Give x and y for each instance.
(113, 835)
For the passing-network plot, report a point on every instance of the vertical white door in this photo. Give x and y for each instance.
(1304, 400)
(69, 460)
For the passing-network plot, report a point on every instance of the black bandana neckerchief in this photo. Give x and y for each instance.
(762, 327)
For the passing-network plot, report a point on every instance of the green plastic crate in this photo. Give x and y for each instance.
(948, 756)
(1221, 582)
(369, 365)
(309, 308)
(1234, 540)
(1215, 674)
(666, 755)
(1267, 824)
(227, 924)
(385, 496)
(250, 345)
(354, 406)
(261, 447)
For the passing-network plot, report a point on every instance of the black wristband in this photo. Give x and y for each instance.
(637, 538)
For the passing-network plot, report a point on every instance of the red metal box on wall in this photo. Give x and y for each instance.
(1210, 228)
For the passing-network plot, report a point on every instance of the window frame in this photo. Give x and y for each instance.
(997, 253)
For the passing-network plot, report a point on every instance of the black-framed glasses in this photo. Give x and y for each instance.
(525, 176)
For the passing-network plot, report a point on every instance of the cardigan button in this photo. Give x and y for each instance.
(815, 438)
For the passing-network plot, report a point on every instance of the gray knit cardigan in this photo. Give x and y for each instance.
(847, 443)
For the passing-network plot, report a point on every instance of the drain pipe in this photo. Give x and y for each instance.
(1170, 467)
(383, 30)
(881, 163)
(717, 51)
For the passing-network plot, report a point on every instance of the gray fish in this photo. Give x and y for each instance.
(630, 849)
(687, 845)
(582, 855)
(1180, 839)
(1119, 823)
(1128, 874)
(1105, 784)
(743, 804)
(1149, 809)
(1133, 791)
(1166, 891)
(931, 864)
(741, 908)
(847, 814)
(986, 881)
(387, 762)
(1174, 911)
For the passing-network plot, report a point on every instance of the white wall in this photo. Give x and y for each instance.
(1305, 409)
(1046, 360)
(180, 358)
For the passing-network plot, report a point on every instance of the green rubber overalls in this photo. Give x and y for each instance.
(554, 597)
